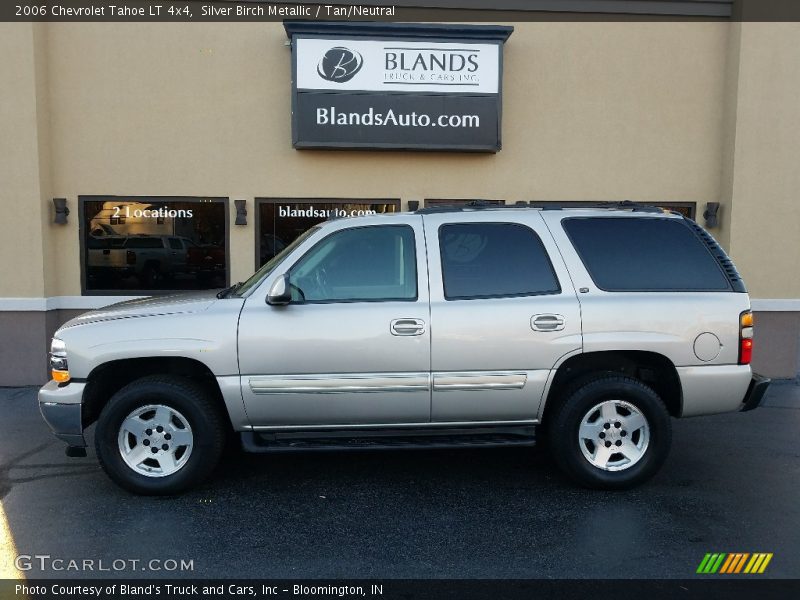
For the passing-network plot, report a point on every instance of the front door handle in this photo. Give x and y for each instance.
(547, 322)
(407, 327)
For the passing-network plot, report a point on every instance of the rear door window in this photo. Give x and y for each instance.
(494, 260)
(629, 254)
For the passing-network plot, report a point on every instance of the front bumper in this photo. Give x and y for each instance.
(755, 392)
(60, 406)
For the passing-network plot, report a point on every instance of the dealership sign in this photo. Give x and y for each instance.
(420, 87)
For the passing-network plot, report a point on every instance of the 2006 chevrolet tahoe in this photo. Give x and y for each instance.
(469, 326)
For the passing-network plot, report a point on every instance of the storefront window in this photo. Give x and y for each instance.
(153, 244)
(687, 209)
(280, 221)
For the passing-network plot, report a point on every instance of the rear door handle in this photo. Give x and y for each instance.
(407, 327)
(547, 322)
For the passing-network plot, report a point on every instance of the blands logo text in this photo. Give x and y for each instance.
(339, 64)
(362, 65)
(409, 65)
(724, 563)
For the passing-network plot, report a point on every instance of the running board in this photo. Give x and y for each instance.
(387, 439)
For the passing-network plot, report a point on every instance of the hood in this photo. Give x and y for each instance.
(147, 307)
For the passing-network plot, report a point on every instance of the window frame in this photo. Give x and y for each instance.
(361, 300)
(681, 223)
(83, 258)
(537, 237)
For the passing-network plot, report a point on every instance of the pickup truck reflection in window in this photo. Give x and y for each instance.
(138, 244)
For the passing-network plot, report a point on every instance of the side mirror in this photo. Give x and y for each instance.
(280, 293)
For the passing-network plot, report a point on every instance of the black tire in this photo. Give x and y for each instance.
(149, 276)
(203, 415)
(564, 423)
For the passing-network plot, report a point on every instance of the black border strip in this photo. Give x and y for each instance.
(700, 587)
(388, 11)
(686, 8)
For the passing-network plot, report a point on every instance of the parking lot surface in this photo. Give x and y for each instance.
(730, 484)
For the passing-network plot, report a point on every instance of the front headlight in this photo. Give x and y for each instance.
(58, 347)
(59, 369)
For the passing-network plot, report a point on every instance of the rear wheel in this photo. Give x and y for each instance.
(610, 432)
(159, 435)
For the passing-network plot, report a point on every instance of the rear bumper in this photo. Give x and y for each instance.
(755, 392)
(61, 410)
(713, 389)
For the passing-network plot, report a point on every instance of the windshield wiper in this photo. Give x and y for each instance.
(229, 290)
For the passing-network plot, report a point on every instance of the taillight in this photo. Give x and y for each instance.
(130, 257)
(745, 337)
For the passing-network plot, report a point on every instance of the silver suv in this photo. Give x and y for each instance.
(470, 326)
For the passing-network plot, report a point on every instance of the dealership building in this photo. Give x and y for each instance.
(144, 158)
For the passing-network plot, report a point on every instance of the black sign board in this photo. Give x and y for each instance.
(397, 86)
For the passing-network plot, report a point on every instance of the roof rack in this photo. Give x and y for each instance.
(610, 204)
(482, 204)
(472, 205)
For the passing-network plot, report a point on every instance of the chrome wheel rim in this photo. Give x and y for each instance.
(614, 435)
(155, 440)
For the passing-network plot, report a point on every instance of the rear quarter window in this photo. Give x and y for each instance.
(628, 254)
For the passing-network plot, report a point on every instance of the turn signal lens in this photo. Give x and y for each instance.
(60, 376)
(747, 319)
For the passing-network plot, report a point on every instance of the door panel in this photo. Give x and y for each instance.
(340, 362)
(491, 356)
(457, 399)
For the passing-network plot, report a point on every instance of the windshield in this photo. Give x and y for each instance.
(270, 265)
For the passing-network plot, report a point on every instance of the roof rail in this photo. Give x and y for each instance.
(628, 204)
(472, 205)
(610, 204)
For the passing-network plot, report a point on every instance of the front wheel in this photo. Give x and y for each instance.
(159, 435)
(610, 432)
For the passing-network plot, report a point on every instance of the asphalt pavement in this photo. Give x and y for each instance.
(731, 484)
